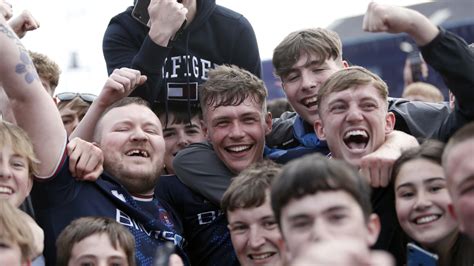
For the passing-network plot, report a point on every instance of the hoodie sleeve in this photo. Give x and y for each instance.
(245, 49)
(126, 44)
(450, 56)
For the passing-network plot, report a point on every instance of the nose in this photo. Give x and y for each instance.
(256, 238)
(138, 135)
(5, 170)
(354, 114)
(236, 130)
(319, 232)
(74, 123)
(183, 140)
(422, 201)
(308, 82)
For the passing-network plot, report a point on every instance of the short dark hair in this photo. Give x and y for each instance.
(322, 43)
(249, 188)
(181, 114)
(314, 173)
(82, 228)
(431, 150)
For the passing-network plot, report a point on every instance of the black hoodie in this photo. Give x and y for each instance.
(215, 36)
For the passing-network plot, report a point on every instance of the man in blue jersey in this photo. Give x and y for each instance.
(235, 122)
(130, 135)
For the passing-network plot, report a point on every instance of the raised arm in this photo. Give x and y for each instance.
(23, 23)
(446, 53)
(119, 85)
(32, 106)
(394, 19)
(146, 48)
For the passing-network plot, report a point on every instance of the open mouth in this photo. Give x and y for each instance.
(356, 139)
(261, 256)
(138, 153)
(427, 219)
(310, 102)
(6, 190)
(238, 149)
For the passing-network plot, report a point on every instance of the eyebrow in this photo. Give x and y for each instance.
(429, 180)
(307, 64)
(225, 117)
(326, 211)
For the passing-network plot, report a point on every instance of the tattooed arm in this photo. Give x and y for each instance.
(32, 106)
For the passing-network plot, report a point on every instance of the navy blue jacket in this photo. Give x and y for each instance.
(215, 36)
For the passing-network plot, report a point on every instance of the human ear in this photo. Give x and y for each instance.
(373, 229)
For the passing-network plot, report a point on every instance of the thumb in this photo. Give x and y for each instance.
(142, 79)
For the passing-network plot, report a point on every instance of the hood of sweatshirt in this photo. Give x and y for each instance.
(217, 35)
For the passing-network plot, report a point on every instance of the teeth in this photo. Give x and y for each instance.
(310, 101)
(6, 190)
(426, 219)
(239, 148)
(261, 256)
(137, 152)
(355, 133)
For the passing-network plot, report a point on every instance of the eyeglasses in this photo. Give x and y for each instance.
(68, 96)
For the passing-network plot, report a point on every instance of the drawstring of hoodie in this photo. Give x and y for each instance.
(166, 91)
(187, 79)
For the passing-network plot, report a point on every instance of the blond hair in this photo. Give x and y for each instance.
(350, 77)
(15, 137)
(424, 91)
(16, 230)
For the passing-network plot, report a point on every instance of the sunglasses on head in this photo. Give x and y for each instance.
(68, 96)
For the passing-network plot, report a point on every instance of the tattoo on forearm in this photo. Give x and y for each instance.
(25, 66)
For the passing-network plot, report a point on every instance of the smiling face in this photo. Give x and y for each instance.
(255, 235)
(132, 141)
(460, 168)
(325, 215)
(237, 133)
(15, 181)
(178, 136)
(354, 122)
(97, 250)
(422, 201)
(301, 84)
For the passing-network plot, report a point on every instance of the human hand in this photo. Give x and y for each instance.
(377, 166)
(6, 10)
(119, 85)
(85, 160)
(166, 17)
(23, 23)
(175, 260)
(394, 19)
(386, 18)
